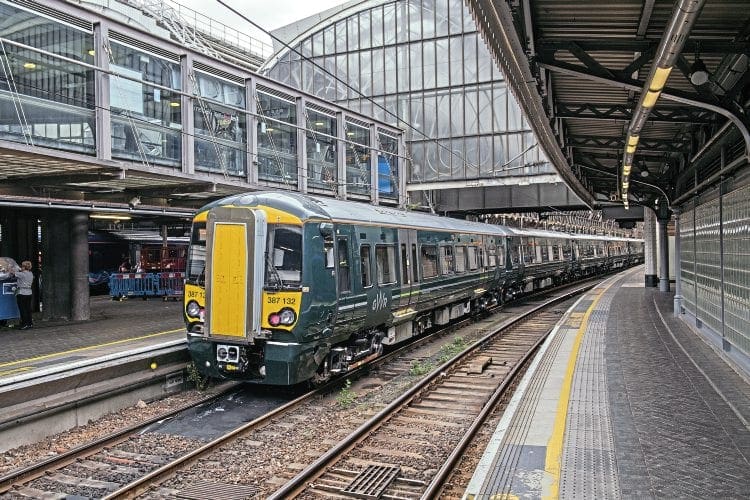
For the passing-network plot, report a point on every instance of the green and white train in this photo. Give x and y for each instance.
(283, 288)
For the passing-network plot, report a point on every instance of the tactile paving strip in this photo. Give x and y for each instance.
(588, 462)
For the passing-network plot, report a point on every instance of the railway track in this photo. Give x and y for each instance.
(132, 462)
(409, 449)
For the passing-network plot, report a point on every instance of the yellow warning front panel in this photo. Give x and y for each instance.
(229, 280)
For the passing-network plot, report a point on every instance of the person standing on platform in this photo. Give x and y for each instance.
(24, 280)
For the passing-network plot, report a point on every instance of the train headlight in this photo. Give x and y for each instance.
(221, 353)
(287, 316)
(193, 309)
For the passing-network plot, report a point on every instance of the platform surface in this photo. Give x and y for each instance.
(114, 327)
(624, 401)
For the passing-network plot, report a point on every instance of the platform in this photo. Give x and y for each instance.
(624, 401)
(114, 327)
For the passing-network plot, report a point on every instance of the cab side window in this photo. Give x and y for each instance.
(364, 255)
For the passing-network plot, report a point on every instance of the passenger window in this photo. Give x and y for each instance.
(492, 258)
(446, 259)
(404, 265)
(344, 269)
(415, 276)
(385, 263)
(429, 261)
(364, 255)
(460, 259)
(473, 259)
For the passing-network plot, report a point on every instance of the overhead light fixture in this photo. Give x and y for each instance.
(319, 124)
(633, 140)
(644, 173)
(625, 185)
(626, 170)
(174, 104)
(29, 65)
(660, 78)
(650, 99)
(630, 149)
(698, 72)
(91, 52)
(110, 216)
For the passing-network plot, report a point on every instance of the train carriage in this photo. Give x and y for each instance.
(283, 288)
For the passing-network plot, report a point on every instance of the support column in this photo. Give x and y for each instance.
(677, 264)
(649, 238)
(79, 267)
(56, 265)
(662, 224)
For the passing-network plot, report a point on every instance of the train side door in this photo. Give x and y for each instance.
(344, 277)
(407, 249)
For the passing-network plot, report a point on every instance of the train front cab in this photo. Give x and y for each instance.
(241, 319)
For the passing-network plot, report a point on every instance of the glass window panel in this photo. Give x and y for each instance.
(515, 121)
(443, 114)
(415, 62)
(357, 158)
(329, 40)
(365, 38)
(145, 120)
(484, 108)
(456, 61)
(321, 150)
(365, 72)
(55, 96)
(402, 22)
(415, 20)
(389, 24)
(388, 166)
(457, 112)
(317, 44)
(403, 68)
(341, 73)
(353, 78)
(514, 150)
(455, 16)
(484, 63)
(471, 154)
(341, 36)
(430, 112)
(444, 159)
(428, 63)
(428, 19)
(458, 170)
(431, 160)
(470, 112)
(499, 107)
(377, 26)
(485, 155)
(417, 116)
(442, 66)
(441, 17)
(417, 162)
(378, 73)
(390, 69)
(469, 25)
(352, 28)
(470, 59)
(277, 139)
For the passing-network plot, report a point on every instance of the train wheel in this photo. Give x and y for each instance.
(321, 376)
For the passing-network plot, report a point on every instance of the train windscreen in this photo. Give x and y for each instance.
(284, 256)
(196, 267)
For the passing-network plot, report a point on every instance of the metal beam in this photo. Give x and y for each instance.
(603, 111)
(717, 46)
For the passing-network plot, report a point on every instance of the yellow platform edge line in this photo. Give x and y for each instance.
(87, 348)
(553, 458)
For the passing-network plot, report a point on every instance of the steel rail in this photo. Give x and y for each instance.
(298, 483)
(33, 471)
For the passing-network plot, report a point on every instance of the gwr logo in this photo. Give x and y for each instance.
(380, 302)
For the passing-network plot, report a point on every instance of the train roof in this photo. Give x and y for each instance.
(307, 207)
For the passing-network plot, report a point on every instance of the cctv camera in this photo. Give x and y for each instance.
(134, 201)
